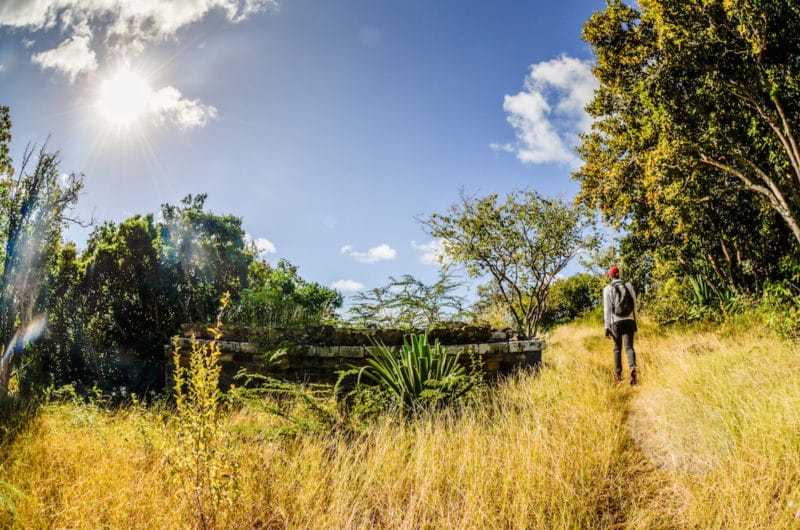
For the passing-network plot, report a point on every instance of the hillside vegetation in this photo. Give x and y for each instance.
(711, 438)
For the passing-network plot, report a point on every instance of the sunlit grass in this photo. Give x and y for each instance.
(711, 438)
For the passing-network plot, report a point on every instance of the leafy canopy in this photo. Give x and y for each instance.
(522, 244)
(693, 146)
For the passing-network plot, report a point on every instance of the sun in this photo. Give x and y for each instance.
(124, 98)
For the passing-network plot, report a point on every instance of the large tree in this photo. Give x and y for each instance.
(34, 206)
(204, 255)
(693, 144)
(522, 244)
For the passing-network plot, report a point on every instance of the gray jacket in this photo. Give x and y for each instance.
(608, 315)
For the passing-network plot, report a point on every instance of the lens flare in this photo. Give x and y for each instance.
(24, 335)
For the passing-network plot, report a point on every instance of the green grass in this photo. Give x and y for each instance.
(711, 438)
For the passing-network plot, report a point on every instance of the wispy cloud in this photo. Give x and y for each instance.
(430, 253)
(347, 286)
(548, 114)
(380, 253)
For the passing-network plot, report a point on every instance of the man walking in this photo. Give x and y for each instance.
(619, 311)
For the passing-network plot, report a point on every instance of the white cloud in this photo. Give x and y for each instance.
(430, 253)
(380, 253)
(347, 286)
(126, 96)
(549, 113)
(167, 104)
(261, 245)
(109, 29)
(125, 24)
(72, 57)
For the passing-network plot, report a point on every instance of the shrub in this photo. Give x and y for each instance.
(780, 308)
(200, 456)
(572, 297)
(669, 301)
(423, 376)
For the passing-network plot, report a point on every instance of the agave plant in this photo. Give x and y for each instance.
(703, 298)
(421, 375)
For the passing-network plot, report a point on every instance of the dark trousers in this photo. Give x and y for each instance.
(623, 335)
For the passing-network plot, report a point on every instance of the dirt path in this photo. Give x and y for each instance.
(639, 492)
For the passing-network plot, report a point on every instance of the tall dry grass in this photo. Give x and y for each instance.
(709, 439)
(720, 414)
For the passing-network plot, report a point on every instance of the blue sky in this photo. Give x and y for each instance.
(329, 127)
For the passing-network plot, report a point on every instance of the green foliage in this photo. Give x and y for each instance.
(703, 297)
(127, 301)
(302, 409)
(362, 405)
(421, 376)
(200, 457)
(6, 165)
(780, 309)
(572, 297)
(669, 300)
(112, 308)
(691, 145)
(279, 297)
(780, 301)
(203, 256)
(490, 308)
(409, 303)
(522, 244)
(34, 207)
(8, 496)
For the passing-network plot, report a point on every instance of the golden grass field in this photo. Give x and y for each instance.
(709, 439)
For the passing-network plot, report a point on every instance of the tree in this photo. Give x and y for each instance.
(128, 302)
(522, 244)
(410, 303)
(279, 297)
(141, 279)
(56, 358)
(693, 145)
(572, 297)
(203, 255)
(34, 207)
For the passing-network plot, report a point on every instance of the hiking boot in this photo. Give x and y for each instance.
(634, 379)
(617, 378)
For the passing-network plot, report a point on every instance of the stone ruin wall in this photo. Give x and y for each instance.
(316, 353)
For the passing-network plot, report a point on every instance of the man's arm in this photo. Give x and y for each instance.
(633, 295)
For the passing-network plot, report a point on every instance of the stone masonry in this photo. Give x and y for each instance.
(317, 353)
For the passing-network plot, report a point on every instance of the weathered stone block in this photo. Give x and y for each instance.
(460, 349)
(497, 336)
(352, 352)
(524, 345)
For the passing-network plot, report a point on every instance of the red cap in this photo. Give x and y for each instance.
(613, 271)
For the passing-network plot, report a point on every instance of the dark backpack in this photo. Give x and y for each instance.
(621, 300)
